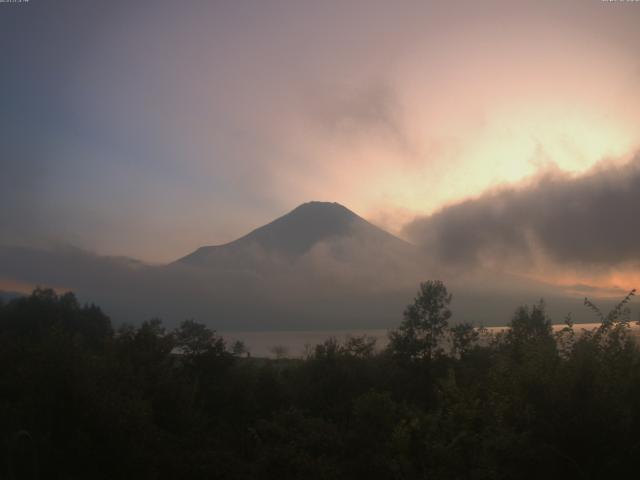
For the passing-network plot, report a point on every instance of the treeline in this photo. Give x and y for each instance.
(79, 399)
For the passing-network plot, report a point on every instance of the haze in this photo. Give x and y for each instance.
(495, 136)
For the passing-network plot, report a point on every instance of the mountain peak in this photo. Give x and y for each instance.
(304, 226)
(318, 204)
(316, 207)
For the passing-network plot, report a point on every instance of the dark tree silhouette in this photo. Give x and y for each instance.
(80, 401)
(425, 321)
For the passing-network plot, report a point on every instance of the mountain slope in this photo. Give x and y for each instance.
(320, 266)
(297, 233)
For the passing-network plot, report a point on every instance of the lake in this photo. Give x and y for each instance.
(296, 343)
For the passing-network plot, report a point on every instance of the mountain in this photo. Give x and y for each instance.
(319, 267)
(295, 235)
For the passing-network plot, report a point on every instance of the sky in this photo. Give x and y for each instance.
(147, 129)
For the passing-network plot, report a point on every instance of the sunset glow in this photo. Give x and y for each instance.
(163, 129)
(319, 239)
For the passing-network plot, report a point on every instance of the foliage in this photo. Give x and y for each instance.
(421, 332)
(79, 399)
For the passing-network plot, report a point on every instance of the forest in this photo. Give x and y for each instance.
(82, 398)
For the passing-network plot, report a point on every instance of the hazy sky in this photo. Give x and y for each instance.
(150, 128)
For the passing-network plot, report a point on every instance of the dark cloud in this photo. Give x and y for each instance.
(590, 220)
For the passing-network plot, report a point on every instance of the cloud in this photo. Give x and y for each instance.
(581, 221)
(338, 284)
(371, 110)
(193, 121)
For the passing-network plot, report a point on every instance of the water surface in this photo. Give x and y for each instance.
(296, 343)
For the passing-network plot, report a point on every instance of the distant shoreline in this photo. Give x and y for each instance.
(296, 342)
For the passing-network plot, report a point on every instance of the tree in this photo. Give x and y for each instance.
(279, 351)
(530, 340)
(425, 322)
(195, 339)
(147, 346)
(239, 349)
(463, 337)
(359, 346)
(530, 325)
